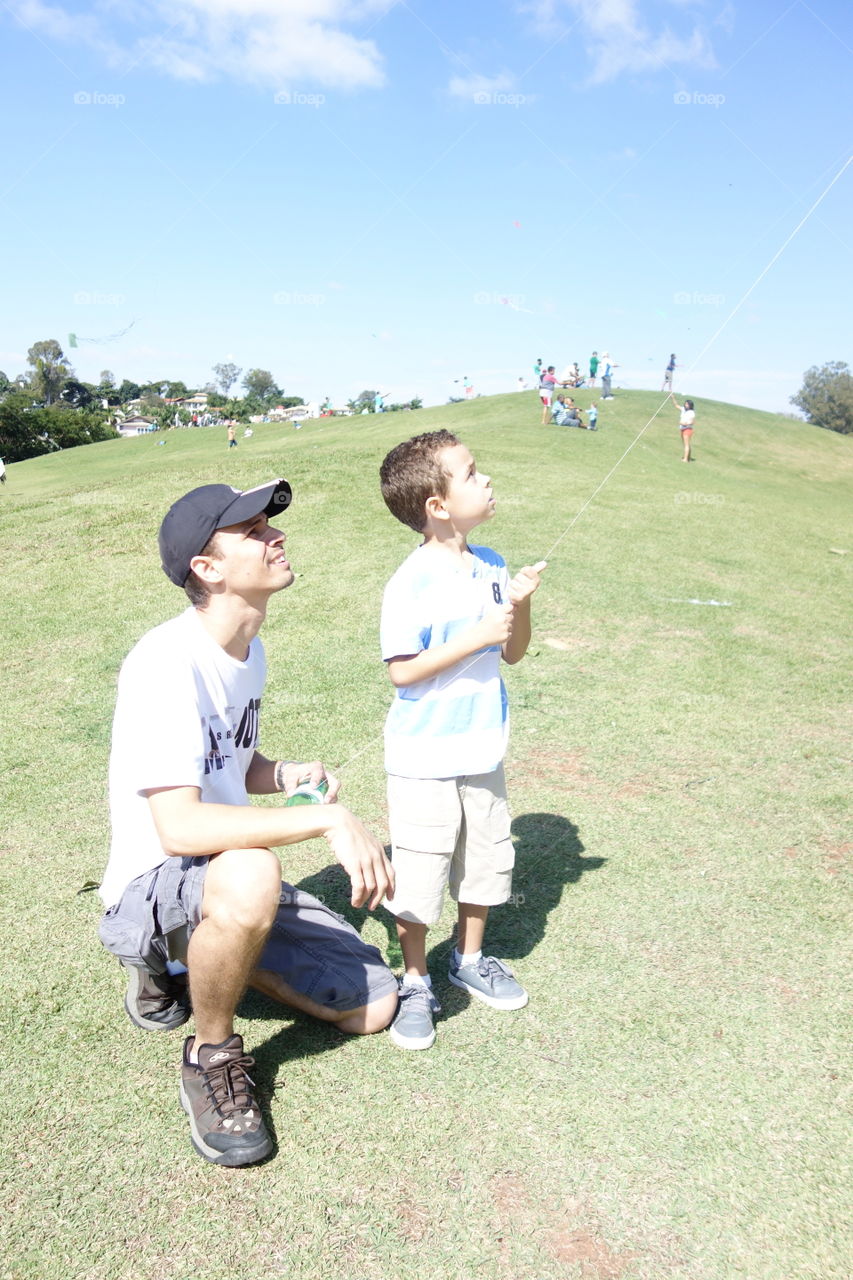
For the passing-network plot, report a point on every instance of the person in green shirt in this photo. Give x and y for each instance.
(593, 368)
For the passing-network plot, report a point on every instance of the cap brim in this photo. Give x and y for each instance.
(272, 499)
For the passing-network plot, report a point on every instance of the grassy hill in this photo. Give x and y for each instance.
(670, 1103)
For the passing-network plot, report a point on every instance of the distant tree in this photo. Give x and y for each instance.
(364, 400)
(106, 378)
(226, 375)
(826, 397)
(5, 384)
(128, 391)
(50, 372)
(20, 435)
(78, 394)
(27, 431)
(261, 385)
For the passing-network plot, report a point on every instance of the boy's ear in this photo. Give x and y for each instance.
(434, 507)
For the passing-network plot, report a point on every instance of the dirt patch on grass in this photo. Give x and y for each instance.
(569, 1244)
(553, 768)
(597, 1260)
(836, 857)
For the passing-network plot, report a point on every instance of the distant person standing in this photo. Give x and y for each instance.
(593, 416)
(686, 423)
(379, 403)
(606, 374)
(537, 369)
(593, 368)
(232, 437)
(667, 374)
(547, 382)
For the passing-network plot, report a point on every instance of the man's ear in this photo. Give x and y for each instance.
(206, 568)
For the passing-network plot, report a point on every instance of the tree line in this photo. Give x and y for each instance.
(48, 407)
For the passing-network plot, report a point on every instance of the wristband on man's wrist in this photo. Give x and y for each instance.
(278, 774)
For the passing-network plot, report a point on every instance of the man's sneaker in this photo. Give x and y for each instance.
(490, 981)
(156, 1002)
(412, 1027)
(226, 1122)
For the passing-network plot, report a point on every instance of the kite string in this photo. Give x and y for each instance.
(643, 430)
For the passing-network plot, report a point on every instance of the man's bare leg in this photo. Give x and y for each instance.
(241, 894)
(363, 1021)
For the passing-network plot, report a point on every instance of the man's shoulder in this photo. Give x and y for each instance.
(170, 640)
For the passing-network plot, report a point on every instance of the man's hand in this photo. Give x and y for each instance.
(525, 582)
(312, 772)
(363, 858)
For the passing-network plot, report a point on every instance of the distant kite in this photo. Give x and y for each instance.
(74, 341)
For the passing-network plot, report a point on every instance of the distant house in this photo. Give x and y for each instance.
(196, 403)
(280, 414)
(135, 426)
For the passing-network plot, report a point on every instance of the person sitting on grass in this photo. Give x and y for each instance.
(449, 614)
(566, 413)
(196, 907)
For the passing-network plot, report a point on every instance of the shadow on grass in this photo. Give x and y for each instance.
(548, 856)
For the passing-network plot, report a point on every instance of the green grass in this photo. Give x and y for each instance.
(672, 1101)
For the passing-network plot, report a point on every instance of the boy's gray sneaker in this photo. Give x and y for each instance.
(156, 1002)
(412, 1026)
(490, 981)
(225, 1120)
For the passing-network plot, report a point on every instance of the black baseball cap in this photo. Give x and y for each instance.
(191, 522)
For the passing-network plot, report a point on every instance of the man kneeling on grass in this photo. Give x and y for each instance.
(196, 907)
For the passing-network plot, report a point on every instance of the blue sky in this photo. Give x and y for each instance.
(397, 195)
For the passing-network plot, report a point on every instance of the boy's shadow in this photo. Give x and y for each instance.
(548, 856)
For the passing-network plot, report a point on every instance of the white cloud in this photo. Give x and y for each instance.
(475, 86)
(271, 43)
(618, 39)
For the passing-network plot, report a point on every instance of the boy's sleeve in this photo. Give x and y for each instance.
(402, 629)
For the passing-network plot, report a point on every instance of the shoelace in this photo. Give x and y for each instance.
(420, 995)
(226, 1094)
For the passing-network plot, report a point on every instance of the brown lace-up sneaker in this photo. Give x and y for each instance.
(226, 1122)
(156, 1002)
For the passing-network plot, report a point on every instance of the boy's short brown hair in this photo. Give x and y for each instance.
(412, 472)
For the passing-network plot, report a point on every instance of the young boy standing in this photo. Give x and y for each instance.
(449, 614)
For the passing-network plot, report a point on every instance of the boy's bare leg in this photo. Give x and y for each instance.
(412, 937)
(472, 928)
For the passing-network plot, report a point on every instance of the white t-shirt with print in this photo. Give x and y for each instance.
(456, 723)
(186, 716)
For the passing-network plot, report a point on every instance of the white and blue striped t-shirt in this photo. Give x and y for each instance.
(456, 723)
